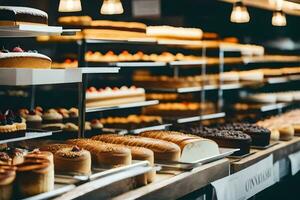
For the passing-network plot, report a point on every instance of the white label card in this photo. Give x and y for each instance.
(295, 162)
(146, 8)
(248, 182)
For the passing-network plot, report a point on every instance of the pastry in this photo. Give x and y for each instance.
(6, 126)
(13, 16)
(104, 155)
(162, 150)
(260, 136)
(75, 20)
(169, 32)
(33, 120)
(113, 97)
(251, 75)
(67, 64)
(72, 160)
(108, 34)
(119, 25)
(35, 176)
(224, 138)
(52, 117)
(73, 115)
(7, 177)
(192, 147)
(18, 58)
(16, 120)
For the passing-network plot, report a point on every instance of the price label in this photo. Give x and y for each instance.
(248, 182)
(146, 8)
(295, 162)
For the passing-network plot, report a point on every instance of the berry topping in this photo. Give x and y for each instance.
(3, 120)
(68, 61)
(17, 49)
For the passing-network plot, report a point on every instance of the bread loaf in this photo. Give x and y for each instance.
(162, 150)
(104, 155)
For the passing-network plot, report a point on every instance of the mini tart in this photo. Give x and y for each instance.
(73, 160)
(7, 177)
(9, 128)
(35, 176)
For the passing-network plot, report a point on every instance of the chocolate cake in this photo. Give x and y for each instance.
(13, 15)
(224, 138)
(260, 136)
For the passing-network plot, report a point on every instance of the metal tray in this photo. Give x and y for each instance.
(101, 173)
(264, 147)
(241, 156)
(224, 152)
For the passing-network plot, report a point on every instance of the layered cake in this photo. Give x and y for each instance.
(113, 97)
(260, 136)
(13, 16)
(18, 58)
(224, 138)
(169, 32)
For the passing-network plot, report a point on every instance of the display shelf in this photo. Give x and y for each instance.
(271, 107)
(187, 63)
(20, 76)
(198, 118)
(99, 70)
(156, 127)
(271, 59)
(294, 77)
(28, 136)
(135, 41)
(140, 64)
(276, 80)
(173, 184)
(26, 30)
(123, 106)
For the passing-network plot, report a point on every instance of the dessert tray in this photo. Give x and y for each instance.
(224, 152)
(265, 147)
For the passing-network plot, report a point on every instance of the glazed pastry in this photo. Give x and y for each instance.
(163, 150)
(72, 160)
(7, 177)
(35, 176)
(104, 155)
(13, 16)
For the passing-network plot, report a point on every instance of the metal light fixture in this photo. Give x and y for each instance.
(239, 13)
(69, 6)
(111, 7)
(279, 18)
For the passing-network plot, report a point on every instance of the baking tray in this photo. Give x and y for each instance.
(100, 173)
(264, 147)
(241, 156)
(224, 152)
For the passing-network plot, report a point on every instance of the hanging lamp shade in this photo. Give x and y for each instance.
(279, 18)
(69, 6)
(111, 7)
(239, 13)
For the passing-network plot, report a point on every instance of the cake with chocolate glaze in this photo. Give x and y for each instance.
(14, 15)
(224, 138)
(260, 135)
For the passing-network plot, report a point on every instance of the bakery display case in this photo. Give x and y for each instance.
(122, 107)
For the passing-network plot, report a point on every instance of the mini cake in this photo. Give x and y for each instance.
(72, 160)
(52, 117)
(23, 112)
(65, 114)
(13, 16)
(18, 58)
(17, 120)
(16, 155)
(287, 132)
(97, 126)
(6, 126)
(35, 176)
(260, 136)
(37, 154)
(224, 138)
(113, 97)
(7, 177)
(73, 115)
(33, 120)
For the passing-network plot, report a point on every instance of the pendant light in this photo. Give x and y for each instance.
(279, 18)
(239, 13)
(111, 7)
(69, 6)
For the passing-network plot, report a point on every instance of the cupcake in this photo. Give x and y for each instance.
(39, 110)
(7, 177)
(23, 112)
(33, 120)
(52, 117)
(71, 130)
(97, 126)
(73, 115)
(65, 114)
